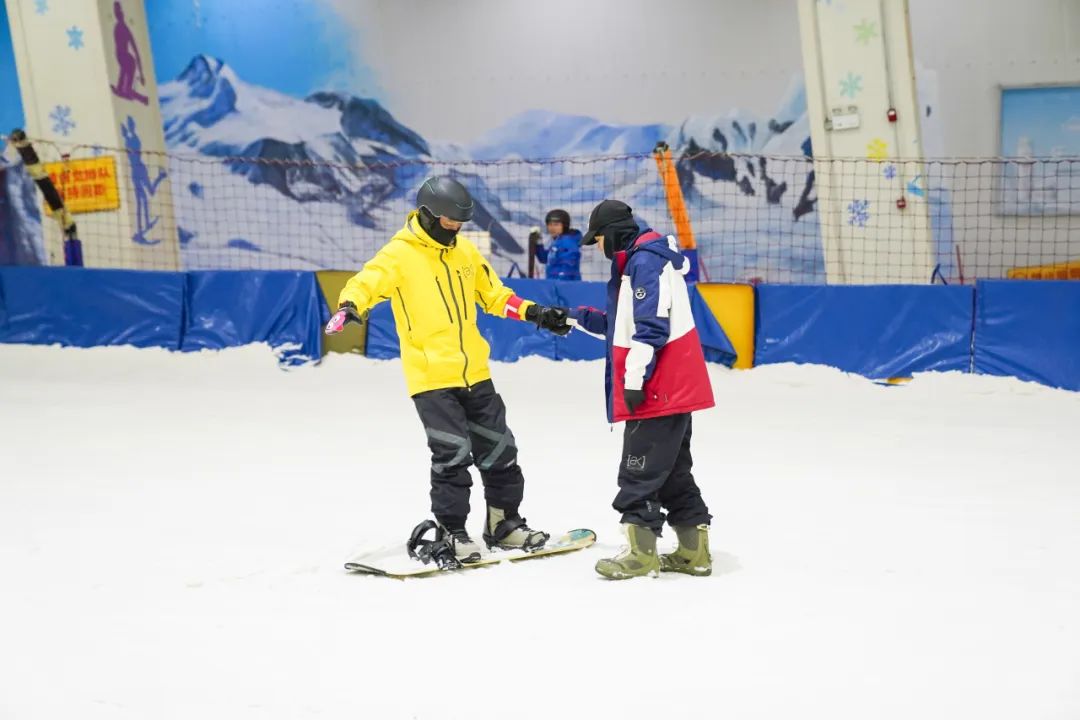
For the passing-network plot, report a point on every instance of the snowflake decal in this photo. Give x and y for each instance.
(61, 119)
(865, 31)
(858, 212)
(877, 149)
(41, 6)
(889, 172)
(75, 37)
(851, 85)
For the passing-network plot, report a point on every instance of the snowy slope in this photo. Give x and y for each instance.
(886, 553)
(537, 134)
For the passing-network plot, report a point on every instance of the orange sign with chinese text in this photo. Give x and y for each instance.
(87, 184)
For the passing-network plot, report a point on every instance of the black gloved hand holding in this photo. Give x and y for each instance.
(552, 319)
(633, 399)
(346, 313)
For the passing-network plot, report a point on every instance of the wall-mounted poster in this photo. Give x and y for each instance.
(1040, 134)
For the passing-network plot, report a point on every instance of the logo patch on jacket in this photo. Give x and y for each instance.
(640, 293)
(633, 462)
(467, 271)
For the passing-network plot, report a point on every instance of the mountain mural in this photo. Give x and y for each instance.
(323, 181)
(21, 239)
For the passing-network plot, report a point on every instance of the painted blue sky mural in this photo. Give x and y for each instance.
(11, 112)
(293, 46)
(1040, 121)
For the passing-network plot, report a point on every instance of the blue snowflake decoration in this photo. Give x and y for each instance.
(61, 119)
(858, 212)
(889, 172)
(41, 6)
(75, 37)
(851, 85)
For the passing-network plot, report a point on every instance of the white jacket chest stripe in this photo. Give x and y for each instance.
(674, 304)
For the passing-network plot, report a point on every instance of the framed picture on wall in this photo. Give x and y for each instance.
(1040, 138)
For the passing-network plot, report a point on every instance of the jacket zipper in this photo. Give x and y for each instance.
(404, 309)
(461, 328)
(445, 304)
(464, 300)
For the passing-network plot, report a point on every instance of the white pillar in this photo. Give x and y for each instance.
(88, 89)
(858, 64)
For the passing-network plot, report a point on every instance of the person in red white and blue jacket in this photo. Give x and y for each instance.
(655, 378)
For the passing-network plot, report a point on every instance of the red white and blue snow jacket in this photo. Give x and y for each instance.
(652, 343)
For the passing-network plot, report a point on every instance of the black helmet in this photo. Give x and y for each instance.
(560, 216)
(444, 196)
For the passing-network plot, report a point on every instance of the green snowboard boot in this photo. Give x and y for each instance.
(692, 556)
(636, 560)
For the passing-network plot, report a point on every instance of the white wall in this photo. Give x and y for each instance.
(452, 70)
(975, 46)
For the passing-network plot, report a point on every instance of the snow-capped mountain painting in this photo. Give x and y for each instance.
(263, 179)
(21, 238)
(539, 134)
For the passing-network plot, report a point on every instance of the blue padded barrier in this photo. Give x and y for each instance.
(879, 331)
(88, 308)
(1029, 329)
(284, 309)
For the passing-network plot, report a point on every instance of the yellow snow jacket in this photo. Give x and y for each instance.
(433, 291)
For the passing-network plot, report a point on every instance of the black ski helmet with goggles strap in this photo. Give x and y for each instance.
(444, 196)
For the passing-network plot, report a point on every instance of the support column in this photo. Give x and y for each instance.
(864, 126)
(88, 89)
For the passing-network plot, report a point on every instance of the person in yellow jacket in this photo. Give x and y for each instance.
(434, 281)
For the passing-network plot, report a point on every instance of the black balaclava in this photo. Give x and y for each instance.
(434, 228)
(619, 236)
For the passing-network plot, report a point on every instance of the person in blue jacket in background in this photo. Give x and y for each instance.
(563, 257)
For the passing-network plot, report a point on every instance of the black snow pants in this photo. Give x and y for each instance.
(466, 426)
(655, 475)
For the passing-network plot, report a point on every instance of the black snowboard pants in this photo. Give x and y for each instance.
(655, 475)
(466, 426)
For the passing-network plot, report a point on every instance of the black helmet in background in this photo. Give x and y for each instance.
(559, 216)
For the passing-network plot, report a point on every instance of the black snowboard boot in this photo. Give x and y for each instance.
(465, 549)
(510, 531)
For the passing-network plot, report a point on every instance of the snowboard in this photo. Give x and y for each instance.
(394, 561)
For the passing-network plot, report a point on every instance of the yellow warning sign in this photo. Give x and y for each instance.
(87, 184)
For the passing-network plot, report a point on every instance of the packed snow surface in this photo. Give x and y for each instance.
(173, 527)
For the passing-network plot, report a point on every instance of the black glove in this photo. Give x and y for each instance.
(553, 319)
(633, 399)
(346, 313)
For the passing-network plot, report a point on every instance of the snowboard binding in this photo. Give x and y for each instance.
(438, 549)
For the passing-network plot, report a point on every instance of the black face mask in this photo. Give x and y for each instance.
(619, 236)
(434, 228)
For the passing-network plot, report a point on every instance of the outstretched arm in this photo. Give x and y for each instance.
(497, 299)
(364, 290)
(652, 324)
(590, 320)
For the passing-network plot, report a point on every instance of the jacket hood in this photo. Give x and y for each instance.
(662, 245)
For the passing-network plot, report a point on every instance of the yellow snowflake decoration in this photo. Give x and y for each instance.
(877, 149)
